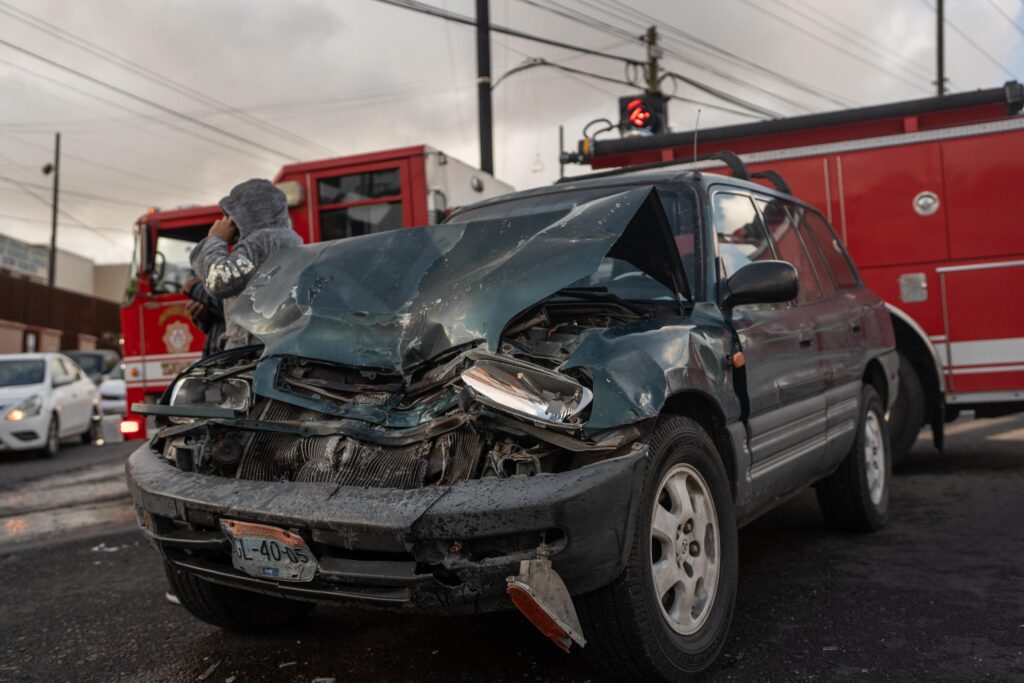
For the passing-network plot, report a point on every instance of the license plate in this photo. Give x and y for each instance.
(268, 552)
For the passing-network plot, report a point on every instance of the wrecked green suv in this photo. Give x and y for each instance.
(565, 400)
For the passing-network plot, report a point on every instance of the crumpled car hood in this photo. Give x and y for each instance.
(393, 300)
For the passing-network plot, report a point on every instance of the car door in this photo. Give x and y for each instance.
(782, 376)
(841, 329)
(76, 398)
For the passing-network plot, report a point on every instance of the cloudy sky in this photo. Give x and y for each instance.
(309, 79)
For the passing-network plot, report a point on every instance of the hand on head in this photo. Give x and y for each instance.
(225, 229)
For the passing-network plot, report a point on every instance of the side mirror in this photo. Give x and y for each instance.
(761, 282)
(62, 380)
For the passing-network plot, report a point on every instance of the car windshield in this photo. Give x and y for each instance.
(614, 275)
(92, 363)
(15, 373)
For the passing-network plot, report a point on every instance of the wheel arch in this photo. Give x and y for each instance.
(708, 414)
(913, 342)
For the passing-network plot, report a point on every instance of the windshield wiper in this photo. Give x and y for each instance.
(595, 293)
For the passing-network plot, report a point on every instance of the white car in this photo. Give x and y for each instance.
(112, 392)
(45, 397)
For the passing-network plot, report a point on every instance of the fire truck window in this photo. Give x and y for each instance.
(790, 249)
(171, 266)
(797, 213)
(741, 237)
(357, 187)
(360, 220)
(816, 228)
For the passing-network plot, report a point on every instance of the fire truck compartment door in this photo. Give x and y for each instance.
(984, 348)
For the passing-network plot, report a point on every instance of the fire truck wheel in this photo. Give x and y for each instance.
(856, 496)
(231, 608)
(666, 617)
(52, 439)
(907, 415)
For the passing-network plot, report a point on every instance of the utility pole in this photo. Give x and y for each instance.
(940, 66)
(47, 170)
(653, 54)
(483, 85)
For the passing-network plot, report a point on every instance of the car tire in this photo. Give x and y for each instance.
(907, 415)
(856, 496)
(630, 633)
(52, 446)
(231, 608)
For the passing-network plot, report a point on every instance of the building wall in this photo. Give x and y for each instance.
(110, 281)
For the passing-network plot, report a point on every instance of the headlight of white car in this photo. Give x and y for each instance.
(32, 405)
(531, 392)
(197, 391)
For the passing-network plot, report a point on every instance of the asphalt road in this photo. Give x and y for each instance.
(938, 594)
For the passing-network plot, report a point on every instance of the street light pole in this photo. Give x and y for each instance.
(55, 169)
(940, 66)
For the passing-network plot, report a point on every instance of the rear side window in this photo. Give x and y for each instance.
(741, 237)
(822, 237)
(787, 241)
(821, 267)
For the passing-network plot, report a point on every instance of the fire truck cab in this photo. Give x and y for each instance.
(328, 199)
(921, 193)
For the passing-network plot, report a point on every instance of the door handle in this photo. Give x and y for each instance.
(806, 342)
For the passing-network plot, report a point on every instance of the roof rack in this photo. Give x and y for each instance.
(730, 159)
(775, 179)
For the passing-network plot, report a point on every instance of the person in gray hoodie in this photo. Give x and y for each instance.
(256, 222)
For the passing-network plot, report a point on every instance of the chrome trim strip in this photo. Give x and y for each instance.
(986, 397)
(979, 266)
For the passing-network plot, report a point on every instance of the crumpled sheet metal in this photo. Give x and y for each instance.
(395, 299)
(635, 367)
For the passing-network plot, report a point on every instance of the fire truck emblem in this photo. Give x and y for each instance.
(177, 337)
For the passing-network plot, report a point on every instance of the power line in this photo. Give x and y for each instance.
(462, 19)
(62, 212)
(85, 195)
(1006, 16)
(844, 34)
(970, 41)
(148, 102)
(691, 41)
(597, 24)
(831, 44)
(150, 117)
(151, 75)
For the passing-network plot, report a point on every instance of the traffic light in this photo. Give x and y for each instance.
(643, 114)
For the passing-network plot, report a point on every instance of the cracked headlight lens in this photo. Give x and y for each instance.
(530, 392)
(197, 391)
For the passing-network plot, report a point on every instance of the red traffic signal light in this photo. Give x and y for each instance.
(643, 114)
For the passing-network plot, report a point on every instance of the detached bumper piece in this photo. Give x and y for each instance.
(540, 594)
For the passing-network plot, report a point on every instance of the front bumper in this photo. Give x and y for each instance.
(435, 549)
(23, 435)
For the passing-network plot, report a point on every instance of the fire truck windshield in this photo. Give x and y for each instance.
(171, 265)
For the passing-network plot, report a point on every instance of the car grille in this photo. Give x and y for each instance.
(276, 456)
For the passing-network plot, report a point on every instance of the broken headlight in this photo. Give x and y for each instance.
(531, 392)
(232, 393)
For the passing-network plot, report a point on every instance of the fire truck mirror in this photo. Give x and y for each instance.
(913, 288)
(926, 203)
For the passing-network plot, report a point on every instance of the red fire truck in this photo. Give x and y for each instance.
(328, 199)
(922, 194)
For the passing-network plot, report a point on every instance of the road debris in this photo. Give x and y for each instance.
(207, 674)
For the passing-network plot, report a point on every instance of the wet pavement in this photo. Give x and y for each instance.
(938, 594)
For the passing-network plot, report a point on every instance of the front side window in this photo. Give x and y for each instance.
(359, 203)
(787, 242)
(741, 237)
(828, 246)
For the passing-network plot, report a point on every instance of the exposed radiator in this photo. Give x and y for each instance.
(272, 456)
